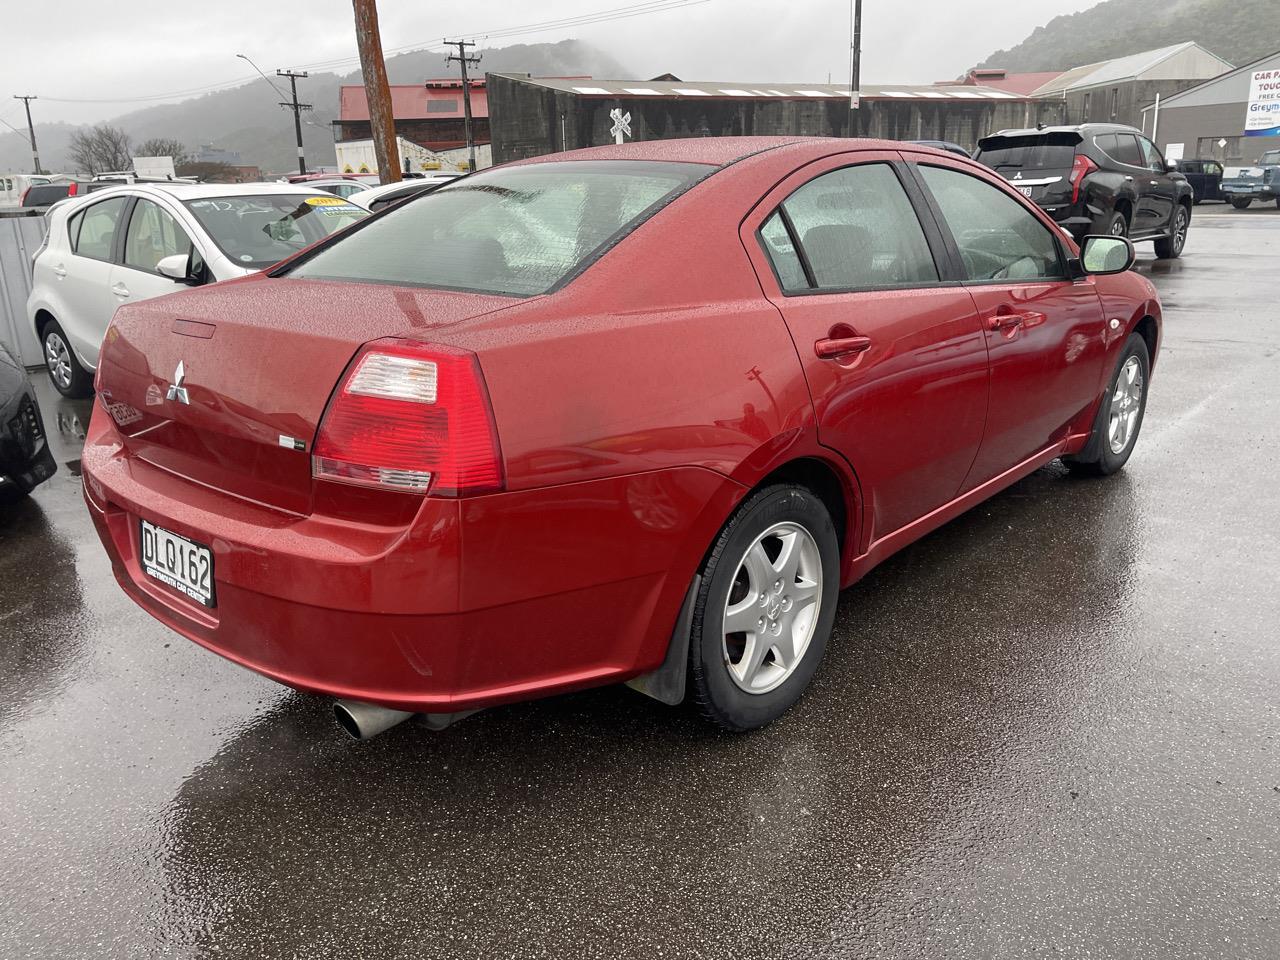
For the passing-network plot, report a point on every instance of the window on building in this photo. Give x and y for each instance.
(442, 106)
(1115, 97)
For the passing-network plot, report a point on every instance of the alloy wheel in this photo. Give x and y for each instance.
(1179, 230)
(772, 607)
(57, 356)
(1120, 228)
(1126, 406)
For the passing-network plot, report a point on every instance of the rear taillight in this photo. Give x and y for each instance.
(411, 416)
(1081, 167)
(72, 188)
(22, 200)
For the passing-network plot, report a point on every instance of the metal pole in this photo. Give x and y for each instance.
(855, 67)
(1155, 121)
(31, 131)
(297, 123)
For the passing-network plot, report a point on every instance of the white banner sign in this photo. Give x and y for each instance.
(1262, 116)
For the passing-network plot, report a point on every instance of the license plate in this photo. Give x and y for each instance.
(181, 563)
(1025, 191)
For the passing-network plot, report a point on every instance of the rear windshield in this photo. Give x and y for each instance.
(1036, 152)
(258, 230)
(45, 193)
(512, 230)
(1270, 157)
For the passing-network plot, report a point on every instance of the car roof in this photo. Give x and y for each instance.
(717, 151)
(1080, 128)
(200, 191)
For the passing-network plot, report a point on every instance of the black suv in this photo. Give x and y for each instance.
(1096, 178)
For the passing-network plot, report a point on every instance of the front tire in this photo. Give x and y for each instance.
(765, 608)
(1170, 247)
(1119, 419)
(69, 378)
(1241, 203)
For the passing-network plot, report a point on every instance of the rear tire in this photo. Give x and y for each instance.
(66, 374)
(1170, 247)
(1240, 203)
(1115, 225)
(1120, 414)
(774, 569)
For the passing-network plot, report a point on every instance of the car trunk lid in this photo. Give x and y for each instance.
(225, 386)
(1038, 164)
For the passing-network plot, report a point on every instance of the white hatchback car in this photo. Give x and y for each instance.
(145, 240)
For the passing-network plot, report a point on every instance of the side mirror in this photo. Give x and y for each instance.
(1101, 256)
(184, 268)
(1170, 166)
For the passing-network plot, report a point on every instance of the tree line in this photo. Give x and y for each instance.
(107, 149)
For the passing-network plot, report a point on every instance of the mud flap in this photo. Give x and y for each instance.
(667, 683)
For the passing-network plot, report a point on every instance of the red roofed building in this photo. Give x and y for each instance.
(1021, 84)
(429, 114)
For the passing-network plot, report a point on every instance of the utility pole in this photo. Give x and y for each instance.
(31, 130)
(297, 109)
(377, 92)
(463, 59)
(855, 68)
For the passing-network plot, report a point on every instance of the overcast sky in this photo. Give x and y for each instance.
(157, 47)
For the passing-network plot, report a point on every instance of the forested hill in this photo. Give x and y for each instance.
(1236, 30)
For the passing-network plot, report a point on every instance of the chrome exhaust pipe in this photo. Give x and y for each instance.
(360, 720)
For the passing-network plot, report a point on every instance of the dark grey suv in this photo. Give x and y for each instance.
(1096, 178)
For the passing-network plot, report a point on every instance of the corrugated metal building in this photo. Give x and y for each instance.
(529, 116)
(1116, 91)
(1214, 111)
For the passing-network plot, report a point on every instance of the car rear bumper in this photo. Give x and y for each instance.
(559, 589)
(25, 459)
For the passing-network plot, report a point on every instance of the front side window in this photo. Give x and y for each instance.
(999, 238)
(97, 233)
(858, 229)
(257, 230)
(511, 230)
(1151, 157)
(152, 235)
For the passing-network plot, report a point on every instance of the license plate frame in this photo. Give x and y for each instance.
(178, 562)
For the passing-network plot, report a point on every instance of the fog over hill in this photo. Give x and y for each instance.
(1236, 30)
(248, 120)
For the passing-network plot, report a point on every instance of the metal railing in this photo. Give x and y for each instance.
(20, 237)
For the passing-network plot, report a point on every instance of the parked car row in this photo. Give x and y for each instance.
(1260, 181)
(634, 413)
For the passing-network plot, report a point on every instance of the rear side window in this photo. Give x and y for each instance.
(776, 240)
(1126, 150)
(513, 230)
(97, 234)
(857, 229)
(1049, 151)
(998, 238)
(152, 235)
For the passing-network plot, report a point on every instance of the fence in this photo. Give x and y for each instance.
(20, 236)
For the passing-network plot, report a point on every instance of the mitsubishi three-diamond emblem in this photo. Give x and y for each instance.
(176, 390)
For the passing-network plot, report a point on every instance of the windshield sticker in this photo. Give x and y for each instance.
(324, 201)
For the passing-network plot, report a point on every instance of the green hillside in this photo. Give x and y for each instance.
(1236, 30)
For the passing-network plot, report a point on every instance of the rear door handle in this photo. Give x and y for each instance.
(1129, 179)
(120, 290)
(59, 271)
(833, 348)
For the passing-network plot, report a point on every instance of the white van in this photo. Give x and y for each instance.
(14, 185)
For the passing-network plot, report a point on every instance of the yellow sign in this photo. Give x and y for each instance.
(325, 202)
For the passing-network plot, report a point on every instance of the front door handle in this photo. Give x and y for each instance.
(835, 348)
(1006, 319)
(120, 290)
(1129, 179)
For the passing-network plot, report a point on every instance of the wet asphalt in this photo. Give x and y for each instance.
(1049, 729)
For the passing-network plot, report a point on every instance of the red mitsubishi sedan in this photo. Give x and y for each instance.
(634, 413)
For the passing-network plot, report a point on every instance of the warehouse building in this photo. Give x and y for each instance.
(529, 116)
(429, 114)
(1208, 121)
(1117, 91)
